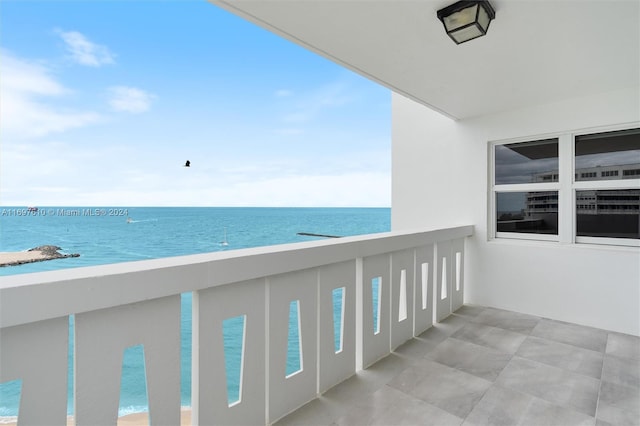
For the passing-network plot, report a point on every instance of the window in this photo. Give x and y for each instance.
(527, 162)
(526, 189)
(588, 175)
(614, 200)
(582, 188)
(527, 212)
(607, 153)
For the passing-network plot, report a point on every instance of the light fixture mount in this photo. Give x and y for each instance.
(466, 20)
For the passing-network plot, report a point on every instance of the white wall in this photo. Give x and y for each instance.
(440, 179)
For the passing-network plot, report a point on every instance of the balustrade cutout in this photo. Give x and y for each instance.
(294, 346)
(338, 318)
(133, 382)
(234, 334)
(10, 393)
(70, 361)
(458, 266)
(402, 300)
(443, 285)
(425, 284)
(376, 295)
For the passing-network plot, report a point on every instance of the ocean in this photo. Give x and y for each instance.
(111, 235)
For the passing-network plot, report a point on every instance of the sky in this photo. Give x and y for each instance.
(102, 102)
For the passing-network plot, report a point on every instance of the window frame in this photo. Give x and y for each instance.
(521, 187)
(567, 187)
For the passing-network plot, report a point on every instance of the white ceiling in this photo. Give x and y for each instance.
(536, 51)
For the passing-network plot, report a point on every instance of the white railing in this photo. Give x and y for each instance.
(138, 303)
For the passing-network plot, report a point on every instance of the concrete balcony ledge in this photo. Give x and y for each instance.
(64, 292)
(393, 286)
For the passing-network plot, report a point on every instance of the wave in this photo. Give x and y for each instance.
(135, 409)
(132, 409)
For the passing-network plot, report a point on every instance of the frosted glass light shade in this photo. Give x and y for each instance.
(466, 20)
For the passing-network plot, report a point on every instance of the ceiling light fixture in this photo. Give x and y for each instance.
(466, 20)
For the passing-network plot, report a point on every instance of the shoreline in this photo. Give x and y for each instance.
(134, 419)
(36, 254)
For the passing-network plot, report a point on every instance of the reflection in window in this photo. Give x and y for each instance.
(527, 162)
(608, 213)
(610, 155)
(533, 212)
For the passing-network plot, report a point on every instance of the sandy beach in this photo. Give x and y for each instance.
(10, 257)
(37, 254)
(138, 419)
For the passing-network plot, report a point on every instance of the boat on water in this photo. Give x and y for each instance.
(224, 242)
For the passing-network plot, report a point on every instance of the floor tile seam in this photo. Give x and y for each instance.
(481, 346)
(508, 329)
(521, 355)
(622, 385)
(465, 317)
(559, 368)
(554, 403)
(495, 381)
(459, 370)
(604, 363)
(573, 324)
(494, 327)
(624, 410)
(342, 409)
(601, 376)
(332, 413)
(478, 402)
(551, 339)
(622, 358)
(434, 405)
(551, 402)
(585, 328)
(568, 345)
(535, 398)
(484, 347)
(419, 400)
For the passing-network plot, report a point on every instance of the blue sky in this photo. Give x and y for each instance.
(102, 102)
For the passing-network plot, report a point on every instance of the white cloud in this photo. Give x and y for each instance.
(85, 52)
(310, 105)
(129, 99)
(289, 131)
(23, 113)
(99, 175)
(283, 93)
(341, 190)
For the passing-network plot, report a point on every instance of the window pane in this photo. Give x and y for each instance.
(610, 155)
(608, 213)
(527, 212)
(527, 162)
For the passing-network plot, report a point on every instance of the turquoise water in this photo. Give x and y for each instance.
(103, 236)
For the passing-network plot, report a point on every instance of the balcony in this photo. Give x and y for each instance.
(418, 357)
(475, 365)
(393, 286)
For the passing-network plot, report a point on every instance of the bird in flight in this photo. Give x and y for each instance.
(187, 164)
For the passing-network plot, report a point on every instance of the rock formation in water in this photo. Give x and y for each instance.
(40, 254)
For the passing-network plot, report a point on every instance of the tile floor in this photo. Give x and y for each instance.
(485, 366)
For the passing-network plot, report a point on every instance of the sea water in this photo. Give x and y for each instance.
(110, 235)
